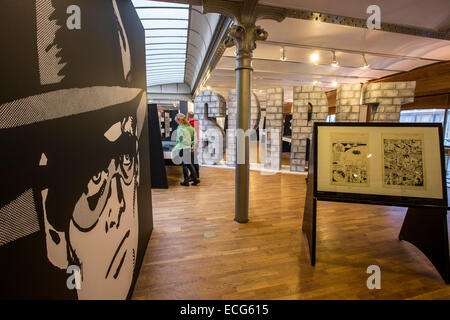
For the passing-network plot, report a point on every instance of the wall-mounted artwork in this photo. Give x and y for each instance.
(366, 161)
(75, 207)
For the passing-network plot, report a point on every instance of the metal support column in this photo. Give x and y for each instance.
(243, 34)
(243, 94)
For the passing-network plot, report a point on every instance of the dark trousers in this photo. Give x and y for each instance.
(188, 167)
(195, 162)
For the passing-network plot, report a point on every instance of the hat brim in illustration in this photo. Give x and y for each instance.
(68, 102)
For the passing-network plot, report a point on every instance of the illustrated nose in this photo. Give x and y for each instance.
(117, 206)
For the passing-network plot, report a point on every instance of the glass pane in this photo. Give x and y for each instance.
(447, 132)
(423, 115)
(154, 68)
(166, 39)
(331, 118)
(165, 55)
(163, 13)
(166, 46)
(165, 80)
(153, 63)
(154, 40)
(166, 33)
(177, 73)
(424, 118)
(165, 60)
(406, 118)
(166, 52)
(146, 3)
(162, 67)
(165, 75)
(166, 24)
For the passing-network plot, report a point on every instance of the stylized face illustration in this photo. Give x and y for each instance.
(102, 234)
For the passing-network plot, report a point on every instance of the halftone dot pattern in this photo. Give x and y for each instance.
(62, 103)
(49, 62)
(18, 218)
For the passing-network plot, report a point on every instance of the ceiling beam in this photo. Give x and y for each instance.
(359, 23)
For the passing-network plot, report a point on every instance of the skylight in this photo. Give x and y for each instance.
(166, 30)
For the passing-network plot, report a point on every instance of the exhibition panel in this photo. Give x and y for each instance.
(158, 169)
(76, 216)
(384, 164)
(398, 160)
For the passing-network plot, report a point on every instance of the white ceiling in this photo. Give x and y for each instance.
(386, 52)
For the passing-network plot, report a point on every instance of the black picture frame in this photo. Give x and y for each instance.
(374, 199)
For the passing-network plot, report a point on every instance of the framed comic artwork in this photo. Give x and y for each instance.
(381, 163)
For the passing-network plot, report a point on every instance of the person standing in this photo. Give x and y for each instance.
(194, 124)
(186, 140)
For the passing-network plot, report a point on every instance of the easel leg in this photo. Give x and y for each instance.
(426, 228)
(309, 226)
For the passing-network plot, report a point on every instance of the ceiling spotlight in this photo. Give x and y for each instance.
(314, 57)
(315, 82)
(334, 62)
(208, 88)
(283, 56)
(334, 83)
(365, 64)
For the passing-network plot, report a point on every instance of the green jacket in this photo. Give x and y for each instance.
(186, 137)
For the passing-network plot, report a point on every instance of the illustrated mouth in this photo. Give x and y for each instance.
(116, 255)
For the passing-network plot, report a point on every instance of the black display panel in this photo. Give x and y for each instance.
(75, 206)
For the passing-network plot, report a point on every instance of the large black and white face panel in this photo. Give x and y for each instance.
(101, 237)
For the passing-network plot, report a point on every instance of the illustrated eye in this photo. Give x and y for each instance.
(126, 160)
(97, 178)
(96, 189)
(96, 183)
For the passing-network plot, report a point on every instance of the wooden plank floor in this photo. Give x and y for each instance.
(197, 251)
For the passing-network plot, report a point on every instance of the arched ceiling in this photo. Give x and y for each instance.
(177, 38)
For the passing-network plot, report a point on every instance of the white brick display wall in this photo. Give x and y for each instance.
(348, 99)
(385, 98)
(216, 108)
(255, 115)
(389, 96)
(301, 127)
(274, 128)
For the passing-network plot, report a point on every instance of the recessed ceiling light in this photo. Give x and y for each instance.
(314, 57)
(334, 83)
(315, 82)
(208, 88)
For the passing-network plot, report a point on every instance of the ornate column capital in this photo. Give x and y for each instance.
(244, 37)
(244, 33)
